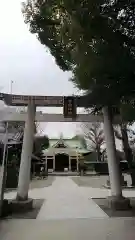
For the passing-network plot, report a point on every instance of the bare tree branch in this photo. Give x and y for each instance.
(94, 134)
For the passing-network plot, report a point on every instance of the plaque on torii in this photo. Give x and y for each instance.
(69, 107)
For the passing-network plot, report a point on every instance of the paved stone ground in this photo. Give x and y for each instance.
(103, 204)
(96, 181)
(41, 183)
(65, 200)
(31, 214)
(73, 229)
(69, 213)
(38, 183)
(34, 184)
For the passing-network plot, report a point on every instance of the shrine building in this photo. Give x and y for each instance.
(64, 153)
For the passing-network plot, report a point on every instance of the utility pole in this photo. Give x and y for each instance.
(3, 170)
(11, 86)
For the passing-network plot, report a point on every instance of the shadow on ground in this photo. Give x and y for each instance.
(41, 183)
(96, 181)
(32, 214)
(37, 183)
(102, 203)
(90, 181)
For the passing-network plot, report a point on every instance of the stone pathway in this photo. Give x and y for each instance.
(68, 212)
(69, 229)
(65, 200)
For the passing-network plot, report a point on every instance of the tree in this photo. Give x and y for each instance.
(92, 51)
(45, 19)
(94, 135)
(95, 40)
(127, 111)
(39, 130)
(81, 139)
(16, 126)
(110, 38)
(40, 143)
(123, 136)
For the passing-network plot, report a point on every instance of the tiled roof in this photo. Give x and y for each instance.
(70, 143)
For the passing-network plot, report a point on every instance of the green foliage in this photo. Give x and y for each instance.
(94, 39)
(81, 139)
(92, 157)
(15, 125)
(40, 143)
(45, 19)
(128, 112)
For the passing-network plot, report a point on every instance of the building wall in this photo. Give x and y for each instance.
(50, 156)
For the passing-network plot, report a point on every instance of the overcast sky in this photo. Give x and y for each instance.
(29, 65)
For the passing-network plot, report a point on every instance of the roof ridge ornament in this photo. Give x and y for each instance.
(61, 136)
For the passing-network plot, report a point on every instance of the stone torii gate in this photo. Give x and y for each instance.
(58, 101)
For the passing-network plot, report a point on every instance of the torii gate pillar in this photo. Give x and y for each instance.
(116, 200)
(25, 165)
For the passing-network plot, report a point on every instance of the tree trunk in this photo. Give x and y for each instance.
(128, 152)
(98, 154)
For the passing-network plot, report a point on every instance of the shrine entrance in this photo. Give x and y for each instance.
(61, 162)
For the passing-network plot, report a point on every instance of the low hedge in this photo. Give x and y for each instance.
(12, 177)
(102, 167)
